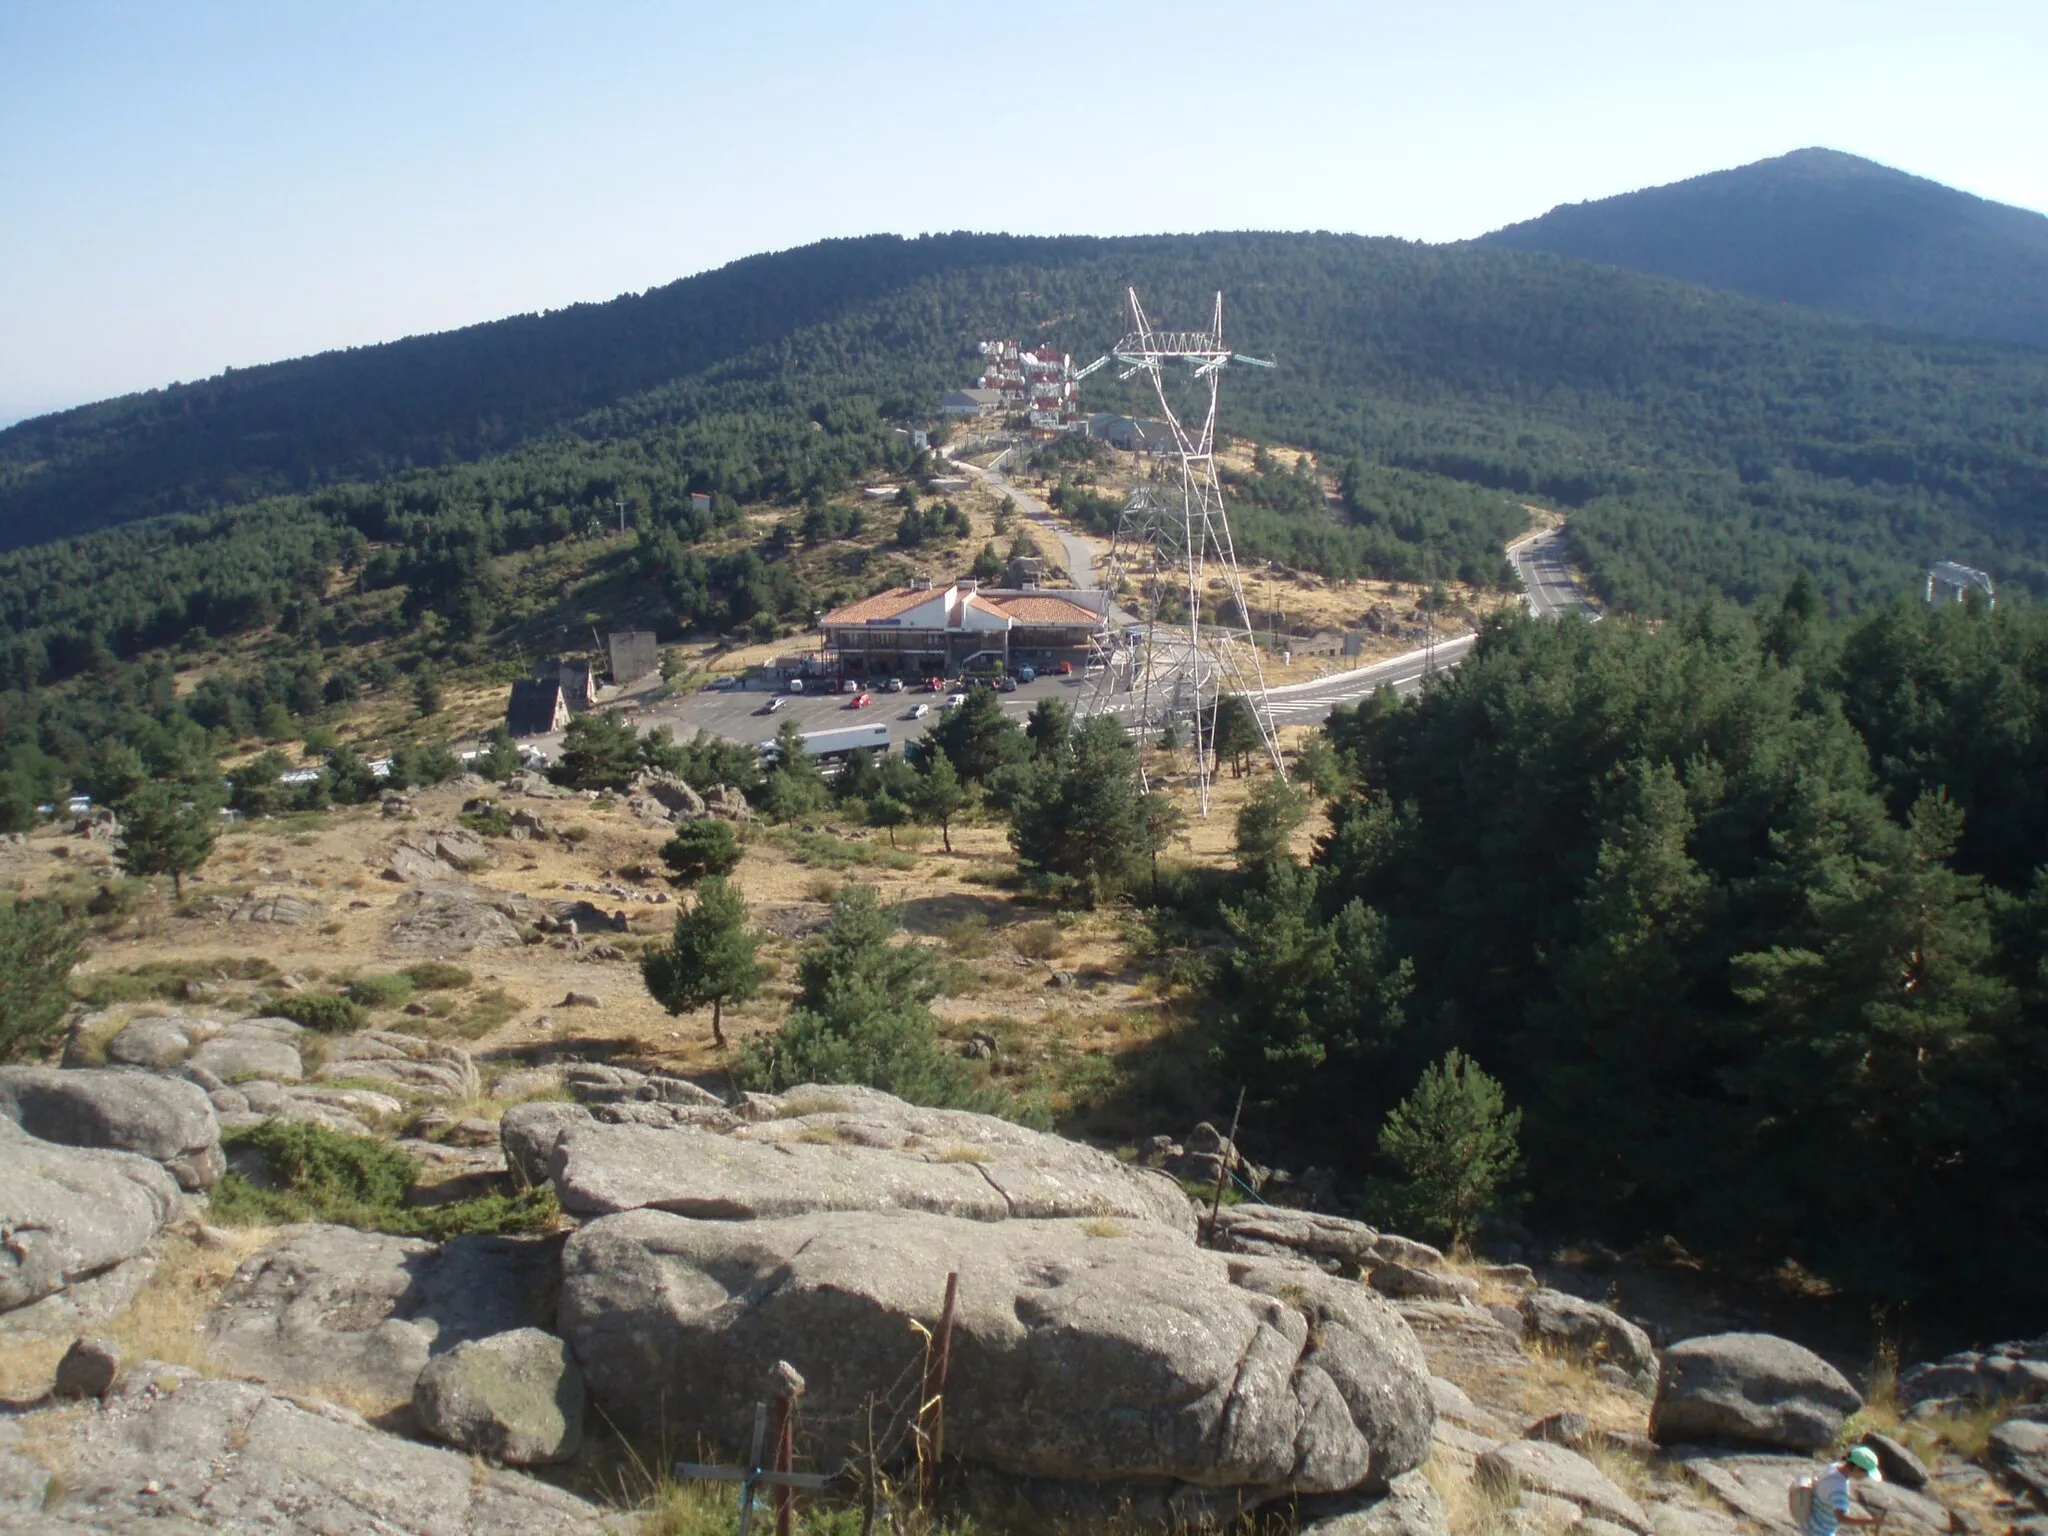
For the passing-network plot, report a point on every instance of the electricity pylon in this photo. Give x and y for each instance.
(1182, 655)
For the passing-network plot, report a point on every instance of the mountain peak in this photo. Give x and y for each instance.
(1827, 230)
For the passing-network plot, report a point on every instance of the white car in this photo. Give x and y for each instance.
(920, 711)
(955, 700)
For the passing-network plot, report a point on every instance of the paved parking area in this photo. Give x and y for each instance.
(744, 716)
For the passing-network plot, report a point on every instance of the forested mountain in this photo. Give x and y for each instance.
(1703, 444)
(1828, 231)
(1709, 444)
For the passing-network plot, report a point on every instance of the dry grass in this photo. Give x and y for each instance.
(1560, 1381)
(1472, 1506)
(161, 1323)
(963, 1153)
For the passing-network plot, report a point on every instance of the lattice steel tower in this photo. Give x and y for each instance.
(1174, 540)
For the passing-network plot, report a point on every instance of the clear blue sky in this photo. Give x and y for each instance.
(188, 186)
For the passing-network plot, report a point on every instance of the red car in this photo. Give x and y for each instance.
(935, 685)
(861, 701)
(1066, 669)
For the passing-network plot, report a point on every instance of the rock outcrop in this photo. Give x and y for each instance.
(1409, 1507)
(1589, 1332)
(1332, 1243)
(406, 1061)
(72, 1215)
(447, 919)
(163, 1119)
(246, 1048)
(177, 1453)
(333, 1309)
(1551, 1471)
(1089, 1351)
(854, 1149)
(2015, 1371)
(2019, 1449)
(1750, 1388)
(515, 1397)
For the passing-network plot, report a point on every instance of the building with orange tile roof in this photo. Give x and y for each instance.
(926, 630)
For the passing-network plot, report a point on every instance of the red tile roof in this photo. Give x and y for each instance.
(883, 605)
(1042, 608)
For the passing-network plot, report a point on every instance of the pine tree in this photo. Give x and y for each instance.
(1452, 1142)
(701, 849)
(165, 832)
(598, 752)
(1049, 726)
(860, 1016)
(794, 787)
(1266, 824)
(1236, 734)
(426, 694)
(500, 758)
(38, 946)
(939, 796)
(1076, 823)
(709, 958)
(978, 737)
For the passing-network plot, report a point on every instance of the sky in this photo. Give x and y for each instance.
(189, 187)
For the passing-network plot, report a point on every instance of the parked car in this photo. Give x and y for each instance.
(796, 685)
(1006, 685)
(955, 700)
(1027, 674)
(892, 685)
(935, 685)
(1066, 669)
(851, 685)
(860, 701)
(920, 711)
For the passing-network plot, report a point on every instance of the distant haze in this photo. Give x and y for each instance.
(190, 187)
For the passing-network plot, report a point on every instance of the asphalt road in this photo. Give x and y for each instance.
(1547, 586)
(1080, 557)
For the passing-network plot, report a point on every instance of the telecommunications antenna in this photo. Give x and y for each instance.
(1181, 656)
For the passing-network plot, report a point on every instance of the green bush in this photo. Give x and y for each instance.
(328, 1012)
(437, 976)
(382, 990)
(356, 1181)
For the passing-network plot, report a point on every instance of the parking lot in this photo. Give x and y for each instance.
(746, 716)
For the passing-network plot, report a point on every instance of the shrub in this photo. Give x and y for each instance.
(357, 1181)
(327, 1012)
(1038, 941)
(383, 990)
(437, 976)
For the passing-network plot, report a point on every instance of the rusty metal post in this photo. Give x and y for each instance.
(931, 1392)
(785, 1461)
(945, 1366)
(1223, 1172)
